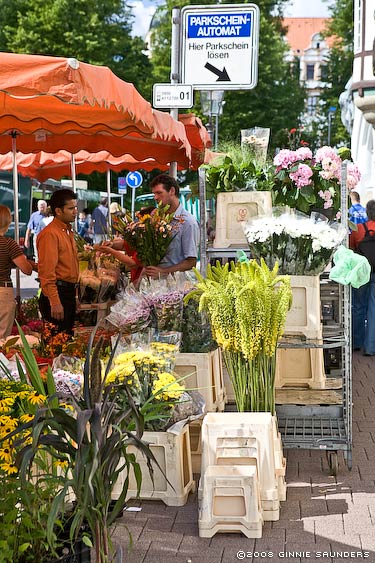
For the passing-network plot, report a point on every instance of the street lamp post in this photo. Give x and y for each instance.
(331, 112)
(212, 102)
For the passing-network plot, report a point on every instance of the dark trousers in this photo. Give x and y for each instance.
(67, 294)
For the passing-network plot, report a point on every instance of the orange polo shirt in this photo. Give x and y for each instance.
(57, 258)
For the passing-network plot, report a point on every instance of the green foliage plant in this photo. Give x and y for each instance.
(237, 169)
(247, 305)
(91, 438)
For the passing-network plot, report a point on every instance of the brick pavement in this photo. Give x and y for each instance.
(322, 515)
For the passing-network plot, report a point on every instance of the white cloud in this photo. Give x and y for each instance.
(143, 12)
(304, 9)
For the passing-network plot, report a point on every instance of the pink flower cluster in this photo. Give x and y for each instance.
(327, 197)
(353, 176)
(302, 176)
(286, 157)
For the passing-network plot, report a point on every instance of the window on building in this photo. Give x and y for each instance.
(357, 25)
(311, 104)
(323, 72)
(310, 72)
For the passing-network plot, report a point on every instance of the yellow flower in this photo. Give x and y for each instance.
(61, 463)
(37, 398)
(166, 387)
(8, 468)
(5, 454)
(26, 418)
(6, 403)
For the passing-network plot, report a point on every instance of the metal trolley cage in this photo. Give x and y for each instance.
(315, 426)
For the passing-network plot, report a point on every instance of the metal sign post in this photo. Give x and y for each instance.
(134, 180)
(220, 46)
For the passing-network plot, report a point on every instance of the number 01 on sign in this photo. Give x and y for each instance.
(220, 46)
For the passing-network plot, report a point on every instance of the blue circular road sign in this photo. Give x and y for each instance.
(134, 179)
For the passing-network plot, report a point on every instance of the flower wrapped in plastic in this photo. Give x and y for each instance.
(151, 382)
(67, 372)
(301, 245)
(131, 313)
(165, 299)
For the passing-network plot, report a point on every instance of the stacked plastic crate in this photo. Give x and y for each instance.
(242, 474)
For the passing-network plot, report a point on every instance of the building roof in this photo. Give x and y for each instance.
(301, 30)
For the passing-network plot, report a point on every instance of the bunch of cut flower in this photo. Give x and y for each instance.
(131, 312)
(150, 236)
(307, 183)
(98, 281)
(300, 245)
(165, 297)
(152, 384)
(247, 305)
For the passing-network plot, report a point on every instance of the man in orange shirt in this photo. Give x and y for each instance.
(58, 267)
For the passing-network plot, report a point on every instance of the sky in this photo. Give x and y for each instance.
(144, 9)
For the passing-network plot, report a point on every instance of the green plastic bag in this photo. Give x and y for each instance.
(350, 268)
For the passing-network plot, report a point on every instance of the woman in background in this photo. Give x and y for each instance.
(11, 255)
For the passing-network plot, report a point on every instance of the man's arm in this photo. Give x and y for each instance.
(156, 271)
(27, 238)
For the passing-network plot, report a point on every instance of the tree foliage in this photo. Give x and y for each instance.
(93, 31)
(278, 99)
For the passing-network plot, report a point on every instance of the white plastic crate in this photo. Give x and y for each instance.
(232, 209)
(173, 484)
(247, 435)
(300, 367)
(205, 375)
(195, 430)
(230, 501)
(305, 314)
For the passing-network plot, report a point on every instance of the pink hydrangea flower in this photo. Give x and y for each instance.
(284, 158)
(326, 153)
(302, 176)
(327, 196)
(353, 176)
(331, 168)
(304, 153)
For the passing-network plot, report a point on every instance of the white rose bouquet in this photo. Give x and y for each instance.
(301, 245)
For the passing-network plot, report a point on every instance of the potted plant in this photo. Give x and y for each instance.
(247, 305)
(90, 436)
(308, 182)
(241, 183)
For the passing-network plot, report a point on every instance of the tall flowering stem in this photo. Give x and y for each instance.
(247, 304)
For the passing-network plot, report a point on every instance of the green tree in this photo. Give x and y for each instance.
(93, 31)
(278, 99)
(339, 67)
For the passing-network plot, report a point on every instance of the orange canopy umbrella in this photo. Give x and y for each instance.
(45, 165)
(54, 103)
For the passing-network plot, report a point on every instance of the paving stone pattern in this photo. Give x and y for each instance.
(325, 518)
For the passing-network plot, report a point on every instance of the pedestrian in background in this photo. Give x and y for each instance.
(33, 225)
(11, 255)
(357, 213)
(99, 221)
(58, 263)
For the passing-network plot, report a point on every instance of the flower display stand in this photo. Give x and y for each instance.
(300, 367)
(205, 373)
(242, 439)
(101, 309)
(232, 209)
(173, 484)
(304, 317)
